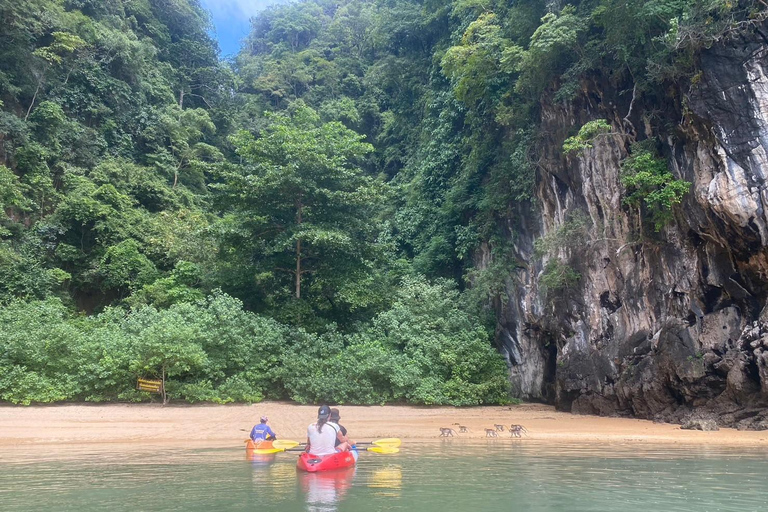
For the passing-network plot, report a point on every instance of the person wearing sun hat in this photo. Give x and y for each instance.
(322, 435)
(262, 432)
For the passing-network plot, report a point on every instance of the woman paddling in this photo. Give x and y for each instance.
(322, 435)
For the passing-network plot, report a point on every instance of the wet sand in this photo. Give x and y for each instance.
(228, 425)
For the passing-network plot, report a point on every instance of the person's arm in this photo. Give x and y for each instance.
(344, 431)
(271, 433)
(342, 438)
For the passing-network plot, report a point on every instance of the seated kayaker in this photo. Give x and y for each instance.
(335, 417)
(322, 435)
(262, 432)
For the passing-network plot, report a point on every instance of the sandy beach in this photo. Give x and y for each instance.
(221, 426)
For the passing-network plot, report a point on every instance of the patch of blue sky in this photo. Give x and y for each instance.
(231, 21)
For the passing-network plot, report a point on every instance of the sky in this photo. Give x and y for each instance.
(230, 19)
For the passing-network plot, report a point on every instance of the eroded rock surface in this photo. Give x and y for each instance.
(665, 327)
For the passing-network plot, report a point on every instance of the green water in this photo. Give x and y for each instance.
(452, 476)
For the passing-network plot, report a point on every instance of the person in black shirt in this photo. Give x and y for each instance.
(335, 417)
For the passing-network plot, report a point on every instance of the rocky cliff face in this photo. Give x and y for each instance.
(670, 325)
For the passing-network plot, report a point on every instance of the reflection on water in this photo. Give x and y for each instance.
(387, 481)
(260, 460)
(323, 490)
(455, 476)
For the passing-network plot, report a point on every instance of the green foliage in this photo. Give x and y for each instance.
(552, 47)
(422, 350)
(211, 345)
(651, 188)
(473, 65)
(446, 357)
(212, 350)
(561, 244)
(39, 353)
(569, 235)
(23, 274)
(557, 276)
(64, 44)
(489, 284)
(123, 267)
(305, 206)
(166, 291)
(586, 136)
(11, 196)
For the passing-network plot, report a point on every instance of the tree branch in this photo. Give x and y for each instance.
(202, 98)
(39, 84)
(631, 104)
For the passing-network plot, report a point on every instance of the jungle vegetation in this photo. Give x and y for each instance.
(298, 222)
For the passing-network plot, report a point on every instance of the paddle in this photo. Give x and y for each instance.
(285, 444)
(382, 449)
(380, 446)
(390, 442)
(374, 449)
(267, 451)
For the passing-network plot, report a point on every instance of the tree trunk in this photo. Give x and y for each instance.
(298, 254)
(298, 268)
(39, 84)
(176, 172)
(165, 395)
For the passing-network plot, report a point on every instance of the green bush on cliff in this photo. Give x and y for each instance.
(651, 189)
(586, 136)
(557, 276)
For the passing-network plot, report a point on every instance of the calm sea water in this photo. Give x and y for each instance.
(452, 476)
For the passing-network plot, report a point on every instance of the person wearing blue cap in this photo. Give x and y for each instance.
(262, 432)
(322, 435)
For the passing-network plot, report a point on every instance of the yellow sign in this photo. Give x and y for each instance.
(153, 386)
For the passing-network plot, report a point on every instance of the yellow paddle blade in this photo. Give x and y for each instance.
(390, 441)
(267, 451)
(285, 443)
(383, 449)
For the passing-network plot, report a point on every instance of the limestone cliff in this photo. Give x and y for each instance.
(665, 326)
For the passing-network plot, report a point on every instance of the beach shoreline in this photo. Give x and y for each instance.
(228, 425)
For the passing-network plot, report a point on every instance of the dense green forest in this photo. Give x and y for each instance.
(300, 222)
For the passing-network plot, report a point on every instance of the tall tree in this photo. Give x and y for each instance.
(303, 199)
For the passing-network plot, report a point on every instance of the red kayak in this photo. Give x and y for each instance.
(313, 463)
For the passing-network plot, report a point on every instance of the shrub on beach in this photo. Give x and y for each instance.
(423, 350)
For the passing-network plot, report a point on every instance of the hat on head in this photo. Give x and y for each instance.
(264, 419)
(323, 412)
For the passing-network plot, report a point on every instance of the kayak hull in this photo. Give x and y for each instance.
(313, 463)
(261, 445)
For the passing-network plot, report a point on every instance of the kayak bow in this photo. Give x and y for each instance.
(314, 463)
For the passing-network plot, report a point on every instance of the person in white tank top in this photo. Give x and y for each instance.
(321, 435)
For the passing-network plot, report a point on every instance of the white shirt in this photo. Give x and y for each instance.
(322, 443)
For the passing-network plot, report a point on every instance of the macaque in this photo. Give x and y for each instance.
(517, 430)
